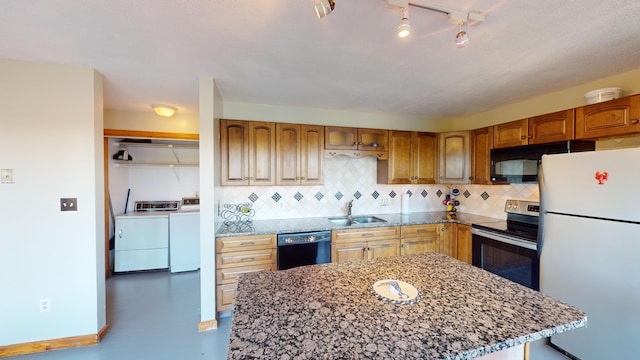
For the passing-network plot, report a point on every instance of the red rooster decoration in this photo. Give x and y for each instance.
(602, 177)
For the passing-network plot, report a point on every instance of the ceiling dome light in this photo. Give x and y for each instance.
(324, 8)
(404, 29)
(164, 110)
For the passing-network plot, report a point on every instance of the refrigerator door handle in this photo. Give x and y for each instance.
(543, 207)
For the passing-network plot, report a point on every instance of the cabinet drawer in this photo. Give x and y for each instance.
(230, 275)
(225, 295)
(377, 233)
(429, 231)
(248, 258)
(239, 243)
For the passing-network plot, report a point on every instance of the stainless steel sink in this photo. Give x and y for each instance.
(346, 221)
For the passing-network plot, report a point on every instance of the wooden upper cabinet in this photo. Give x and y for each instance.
(247, 151)
(299, 154)
(613, 117)
(340, 138)
(547, 128)
(557, 126)
(346, 138)
(513, 133)
(412, 159)
(455, 157)
(481, 145)
(424, 152)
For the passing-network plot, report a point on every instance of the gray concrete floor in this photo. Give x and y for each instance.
(155, 316)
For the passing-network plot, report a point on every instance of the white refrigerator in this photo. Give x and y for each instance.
(590, 248)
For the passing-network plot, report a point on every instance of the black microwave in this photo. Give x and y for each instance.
(520, 164)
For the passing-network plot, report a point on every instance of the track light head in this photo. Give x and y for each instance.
(462, 37)
(324, 8)
(404, 29)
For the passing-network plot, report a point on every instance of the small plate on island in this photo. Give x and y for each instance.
(395, 291)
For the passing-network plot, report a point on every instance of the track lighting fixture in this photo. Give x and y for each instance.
(456, 17)
(324, 8)
(404, 29)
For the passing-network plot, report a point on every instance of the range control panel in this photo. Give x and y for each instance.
(525, 207)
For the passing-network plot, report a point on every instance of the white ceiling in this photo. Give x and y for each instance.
(277, 52)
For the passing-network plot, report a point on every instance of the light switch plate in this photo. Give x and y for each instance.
(69, 204)
(7, 176)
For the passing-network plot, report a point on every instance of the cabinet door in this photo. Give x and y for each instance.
(340, 138)
(481, 145)
(383, 248)
(514, 133)
(463, 239)
(552, 127)
(418, 246)
(353, 251)
(262, 153)
(454, 157)
(614, 117)
(225, 295)
(368, 136)
(447, 241)
(424, 157)
(288, 154)
(397, 169)
(234, 152)
(311, 154)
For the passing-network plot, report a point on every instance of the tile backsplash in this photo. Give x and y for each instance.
(347, 179)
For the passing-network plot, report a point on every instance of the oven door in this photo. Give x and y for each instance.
(510, 257)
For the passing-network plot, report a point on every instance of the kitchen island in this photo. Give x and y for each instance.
(329, 312)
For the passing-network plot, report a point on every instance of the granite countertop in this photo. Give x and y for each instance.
(280, 226)
(328, 312)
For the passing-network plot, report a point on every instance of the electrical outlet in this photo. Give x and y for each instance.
(45, 305)
(69, 204)
(384, 201)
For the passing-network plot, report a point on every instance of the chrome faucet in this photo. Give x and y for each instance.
(350, 205)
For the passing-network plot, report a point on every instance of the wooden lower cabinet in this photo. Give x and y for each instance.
(238, 255)
(463, 240)
(447, 243)
(419, 239)
(367, 243)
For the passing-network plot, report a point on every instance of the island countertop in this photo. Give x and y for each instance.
(328, 312)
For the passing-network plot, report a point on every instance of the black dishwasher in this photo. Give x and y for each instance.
(300, 249)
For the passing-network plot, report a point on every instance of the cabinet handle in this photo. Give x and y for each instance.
(303, 178)
(443, 229)
(634, 121)
(120, 233)
(247, 259)
(522, 137)
(421, 230)
(530, 137)
(247, 243)
(367, 234)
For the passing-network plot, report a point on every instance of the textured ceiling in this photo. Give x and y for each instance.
(279, 53)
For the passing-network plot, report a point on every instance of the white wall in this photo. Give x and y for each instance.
(210, 113)
(149, 121)
(298, 115)
(555, 101)
(51, 135)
